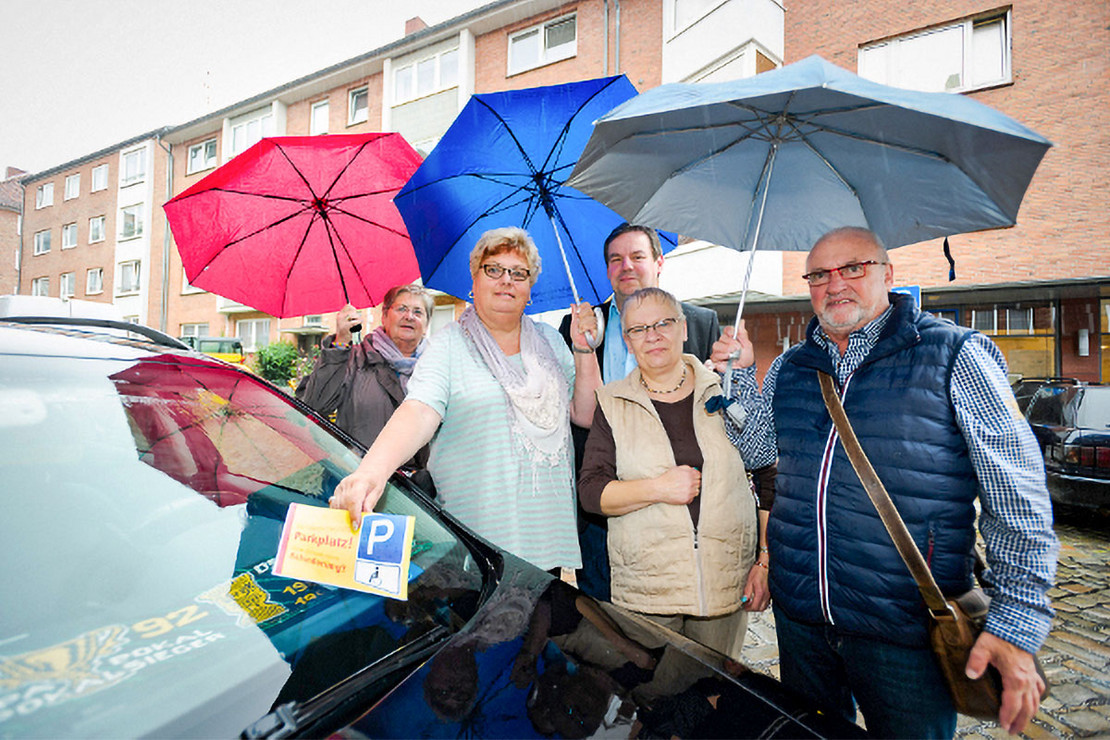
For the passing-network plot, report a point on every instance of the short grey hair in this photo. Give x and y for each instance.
(861, 233)
(652, 294)
(417, 291)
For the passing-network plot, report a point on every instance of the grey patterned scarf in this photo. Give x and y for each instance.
(537, 394)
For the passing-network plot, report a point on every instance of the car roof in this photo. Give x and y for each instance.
(82, 337)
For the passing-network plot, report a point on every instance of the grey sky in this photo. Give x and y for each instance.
(81, 75)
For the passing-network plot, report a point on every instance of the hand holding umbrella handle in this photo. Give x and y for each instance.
(594, 335)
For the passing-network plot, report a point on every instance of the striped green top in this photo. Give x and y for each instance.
(483, 476)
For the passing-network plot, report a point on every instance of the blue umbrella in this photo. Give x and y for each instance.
(783, 157)
(501, 163)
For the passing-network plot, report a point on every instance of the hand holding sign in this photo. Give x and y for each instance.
(317, 545)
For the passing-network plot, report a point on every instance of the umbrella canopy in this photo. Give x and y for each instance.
(300, 224)
(783, 157)
(501, 163)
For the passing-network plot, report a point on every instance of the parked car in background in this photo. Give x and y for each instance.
(1025, 388)
(145, 487)
(229, 349)
(1072, 424)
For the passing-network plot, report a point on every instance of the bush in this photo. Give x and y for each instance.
(276, 362)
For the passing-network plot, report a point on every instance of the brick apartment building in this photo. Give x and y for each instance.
(11, 210)
(1042, 288)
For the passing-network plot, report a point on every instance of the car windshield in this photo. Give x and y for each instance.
(143, 505)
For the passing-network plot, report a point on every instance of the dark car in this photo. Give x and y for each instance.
(1025, 388)
(145, 489)
(1072, 425)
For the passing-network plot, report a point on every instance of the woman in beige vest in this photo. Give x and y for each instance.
(685, 541)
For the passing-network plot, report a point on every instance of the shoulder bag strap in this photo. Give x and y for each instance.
(934, 598)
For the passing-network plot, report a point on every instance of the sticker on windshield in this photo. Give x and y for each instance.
(317, 545)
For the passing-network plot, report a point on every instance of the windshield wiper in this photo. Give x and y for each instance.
(294, 717)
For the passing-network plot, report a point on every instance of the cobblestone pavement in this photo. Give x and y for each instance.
(1076, 656)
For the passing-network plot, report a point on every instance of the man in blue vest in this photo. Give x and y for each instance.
(932, 409)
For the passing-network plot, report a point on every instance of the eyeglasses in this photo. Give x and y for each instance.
(850, 271)
(640, 331)
(494, 271)
(414, 311)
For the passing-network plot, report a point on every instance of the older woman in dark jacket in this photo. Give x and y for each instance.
(364, 383)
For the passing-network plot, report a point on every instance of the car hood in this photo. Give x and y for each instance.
(541, 659)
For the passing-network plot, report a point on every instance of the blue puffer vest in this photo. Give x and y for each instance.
(833, 561)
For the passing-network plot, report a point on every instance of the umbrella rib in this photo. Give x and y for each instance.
(223, 250)
(300, 174)
(343, 171)
(368, 221)
(297, 256)
(229, 191)
(509, 131)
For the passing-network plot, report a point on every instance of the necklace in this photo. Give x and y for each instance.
(672, 390)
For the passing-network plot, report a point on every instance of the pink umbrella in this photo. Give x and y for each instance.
(300, 225)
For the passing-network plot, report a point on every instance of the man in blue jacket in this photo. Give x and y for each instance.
(932, 408)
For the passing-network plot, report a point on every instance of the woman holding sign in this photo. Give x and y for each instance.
(494, 394)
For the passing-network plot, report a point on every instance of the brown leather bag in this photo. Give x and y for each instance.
(955, 623)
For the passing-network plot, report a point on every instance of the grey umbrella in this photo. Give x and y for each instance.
(779, 159)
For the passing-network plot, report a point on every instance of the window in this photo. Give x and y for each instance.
(251, 129)
(319, 123)
(96, 229)
(94, 281)
(69, 236)
(42, 241)
(254, 333)
(202, 156)
(44, 195)
(99, 178)
(67, 284)
(984, 321)
(131, 222)
(426, 76)
(128, 277)
(1019, 320)
(40, 286)
(966, 55)
(134, 166)
(543, 44)
(314, 320)
(358, 106)
(73, 186)
(194, 330)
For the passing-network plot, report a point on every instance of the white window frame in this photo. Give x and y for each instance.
(42, 242)
(194, 330)
(67, 284)
(248, 130)
(425, 76)
(132, 166)
(1026, 315)
(73, 186)
(202, 156)
(44, 195)
(99, 178)
(545, 55)
(40, 286)
(984, 41)
(250, 330)
(94, 280)
(69, 235)
(318, 117)
(355, 114)
(97, 229)
(130, 277)
(132, 214)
